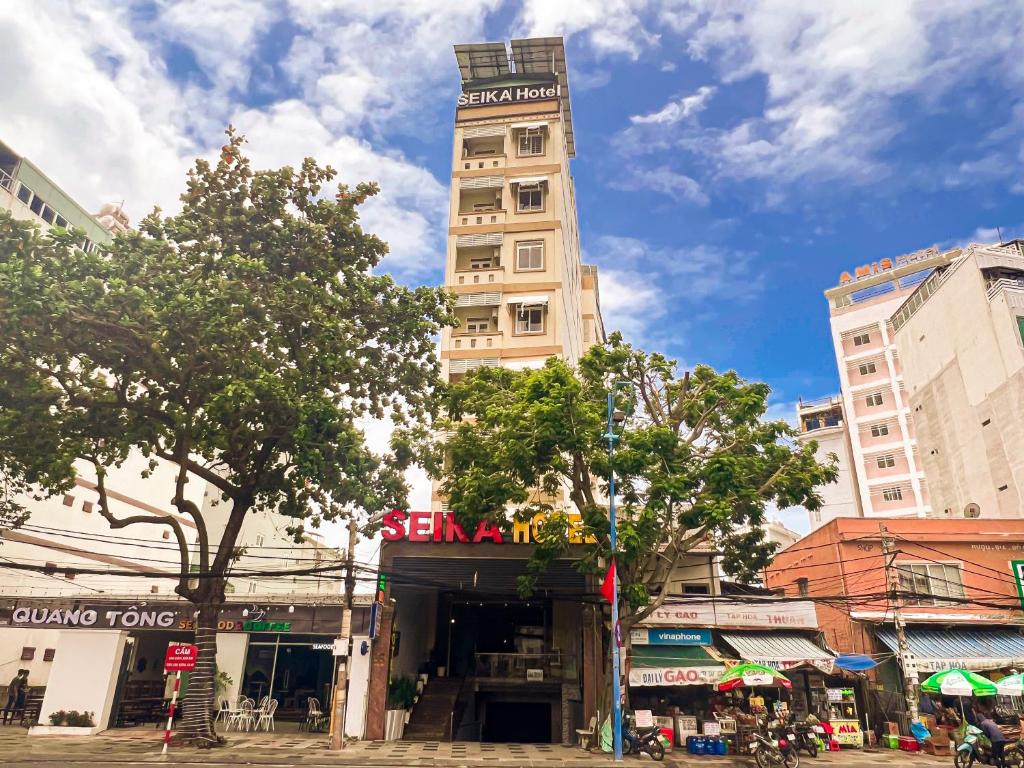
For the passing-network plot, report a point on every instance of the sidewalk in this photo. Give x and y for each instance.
(142, 745)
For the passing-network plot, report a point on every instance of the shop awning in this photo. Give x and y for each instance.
(528, 301)
(657, 665)
(976, 649)
(529, 180)
(778, 650)
(667, 655)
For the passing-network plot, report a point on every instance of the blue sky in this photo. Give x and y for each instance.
(733, 158)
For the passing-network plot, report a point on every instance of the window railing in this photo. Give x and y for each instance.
(6, 181)
(1003, 284)
(532, 667)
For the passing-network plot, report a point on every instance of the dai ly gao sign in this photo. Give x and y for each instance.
(443, 528)
(181, 658)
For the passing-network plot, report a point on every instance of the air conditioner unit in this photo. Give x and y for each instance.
(972, 511)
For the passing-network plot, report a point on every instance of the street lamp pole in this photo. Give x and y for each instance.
(616, 660)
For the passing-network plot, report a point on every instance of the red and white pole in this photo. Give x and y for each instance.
(170, 711)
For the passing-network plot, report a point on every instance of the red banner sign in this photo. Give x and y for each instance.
(181, 658)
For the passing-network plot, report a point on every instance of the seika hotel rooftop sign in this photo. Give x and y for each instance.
(509, 94)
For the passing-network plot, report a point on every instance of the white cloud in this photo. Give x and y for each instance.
(678, 110)
(663, 179)
(630, 303)
(610, 27)
(641, 282)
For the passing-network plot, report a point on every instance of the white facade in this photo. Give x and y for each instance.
(889, 479)
(961, 339)
(823, 422)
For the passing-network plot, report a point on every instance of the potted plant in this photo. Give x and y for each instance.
(401, 695)
(67, 723)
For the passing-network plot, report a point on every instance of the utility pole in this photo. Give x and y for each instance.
(907, 663)
(345, 640)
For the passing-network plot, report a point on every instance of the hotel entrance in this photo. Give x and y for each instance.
(497, 667)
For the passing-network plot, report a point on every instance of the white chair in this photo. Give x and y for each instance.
(243, 717)
(223, 713)
(266, 717)
(586, 734)
(314, 717)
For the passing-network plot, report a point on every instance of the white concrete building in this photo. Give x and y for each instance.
(960, 336)
(887, 476)
(822, 421)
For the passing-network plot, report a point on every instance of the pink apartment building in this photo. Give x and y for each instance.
(869, 426)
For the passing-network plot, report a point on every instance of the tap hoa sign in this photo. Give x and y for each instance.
(443, 528)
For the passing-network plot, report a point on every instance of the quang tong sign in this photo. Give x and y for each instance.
(486, 97)
(443, 528)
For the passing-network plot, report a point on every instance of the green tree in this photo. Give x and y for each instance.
(696, 463)
(241, 340)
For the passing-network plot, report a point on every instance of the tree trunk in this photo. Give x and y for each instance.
(197, 724)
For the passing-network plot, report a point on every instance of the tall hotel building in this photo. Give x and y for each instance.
(513, 258)
(869, 426)
(522, 296)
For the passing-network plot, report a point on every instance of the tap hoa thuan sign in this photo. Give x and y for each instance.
(443, 528)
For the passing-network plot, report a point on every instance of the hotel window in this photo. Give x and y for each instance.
(879, 430)
(531, 142)
(892, 494)
(530, 320)
(886, 461)
(530, 198)
(24, 194)
(481, 263)
(530, 256)
(27, 654)
(259, 539)
(866, 368)
(696, 589)
(1020, 327)
(478, 325)
(49, 653)
(875, 398)
(861, 339)
(931, 583)
(803, 587)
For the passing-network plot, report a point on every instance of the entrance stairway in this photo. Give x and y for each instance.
(432, 716)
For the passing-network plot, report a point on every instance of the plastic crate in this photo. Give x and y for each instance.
(909, 744)
(891, 741)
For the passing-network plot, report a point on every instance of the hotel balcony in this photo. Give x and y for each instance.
(479, 276)
(491, 340)
(824, 413)
(482, 147)
(480, 216)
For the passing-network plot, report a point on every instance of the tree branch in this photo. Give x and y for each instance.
(123, 522)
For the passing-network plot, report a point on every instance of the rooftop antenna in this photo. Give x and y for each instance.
(1000, 232)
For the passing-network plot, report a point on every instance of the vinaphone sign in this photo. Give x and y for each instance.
(444, 528)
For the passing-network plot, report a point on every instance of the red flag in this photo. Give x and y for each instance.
(608, 585)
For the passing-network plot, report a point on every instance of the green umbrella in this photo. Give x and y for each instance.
(959, 682)
(1011, 685)
(751, 675)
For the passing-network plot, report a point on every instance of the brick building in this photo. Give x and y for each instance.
(957, 592)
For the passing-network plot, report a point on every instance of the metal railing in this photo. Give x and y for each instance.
(532, 667)
(1005, 283)
(6, 181)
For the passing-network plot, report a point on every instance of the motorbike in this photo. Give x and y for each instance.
(975, 747)
(776, 752)
(806, 737)
(645, 739)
